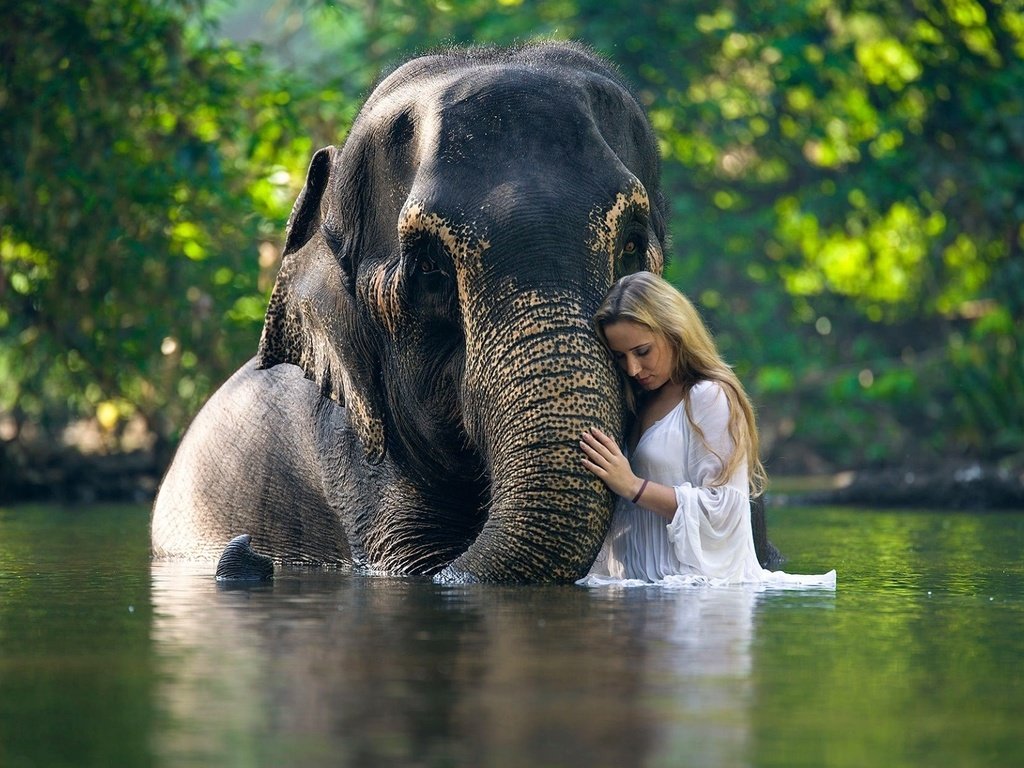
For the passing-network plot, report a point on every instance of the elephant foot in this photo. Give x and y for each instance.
(240, 562)
(771, 558)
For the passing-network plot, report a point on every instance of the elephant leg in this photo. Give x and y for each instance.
(767, 553)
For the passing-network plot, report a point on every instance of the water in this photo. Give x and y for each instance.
(915, 660)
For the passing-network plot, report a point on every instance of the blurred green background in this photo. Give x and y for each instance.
(846, 182)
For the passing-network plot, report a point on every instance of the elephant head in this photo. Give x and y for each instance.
(440, 272)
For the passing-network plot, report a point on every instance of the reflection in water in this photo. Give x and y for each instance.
(108, 660)
(343, 669)
(711, 631)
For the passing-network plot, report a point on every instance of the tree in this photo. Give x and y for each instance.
(844, 177)
(147, 172)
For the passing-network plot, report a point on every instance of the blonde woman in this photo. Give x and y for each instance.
(691, 463)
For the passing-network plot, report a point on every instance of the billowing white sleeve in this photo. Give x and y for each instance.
(711, 531)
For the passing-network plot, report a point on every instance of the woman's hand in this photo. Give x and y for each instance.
(603, 458)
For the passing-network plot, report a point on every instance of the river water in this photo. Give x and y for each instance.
(915, 660)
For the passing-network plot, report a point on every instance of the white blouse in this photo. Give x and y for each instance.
(709, 540)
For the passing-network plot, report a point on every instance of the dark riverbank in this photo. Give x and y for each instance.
(964, 485)
(68, 475)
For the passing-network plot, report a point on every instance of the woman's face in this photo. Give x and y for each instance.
(644, 355)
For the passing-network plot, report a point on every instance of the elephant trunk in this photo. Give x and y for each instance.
(547, 515)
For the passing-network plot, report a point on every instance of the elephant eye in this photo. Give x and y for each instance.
(631, 255)
(634, 246)
(426, 261)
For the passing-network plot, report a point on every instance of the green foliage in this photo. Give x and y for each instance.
(144, 164)
(987, 380)
(844, 178)
(830, 163)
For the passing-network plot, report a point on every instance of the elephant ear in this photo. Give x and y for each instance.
(657, 257)
(312, 320)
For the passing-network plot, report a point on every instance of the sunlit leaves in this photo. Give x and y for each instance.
(886, 61)
(187, 237)
(875, 257)
(248, 310)
(770, 379)
(968, 273)
(23, 266)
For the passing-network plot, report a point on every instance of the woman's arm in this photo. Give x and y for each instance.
(710, 410)
(605, 460)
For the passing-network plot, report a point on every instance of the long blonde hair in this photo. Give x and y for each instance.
(650, 301)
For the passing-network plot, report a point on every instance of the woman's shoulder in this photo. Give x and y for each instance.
(707, 399)
(706, 392)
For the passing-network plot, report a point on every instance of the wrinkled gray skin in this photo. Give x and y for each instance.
(427, 363)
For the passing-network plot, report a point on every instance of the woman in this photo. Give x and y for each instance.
(683, 515)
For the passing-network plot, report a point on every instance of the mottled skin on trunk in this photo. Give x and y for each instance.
(427, 363)
(528, 429)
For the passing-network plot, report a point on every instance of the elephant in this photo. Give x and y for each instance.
(427, 363)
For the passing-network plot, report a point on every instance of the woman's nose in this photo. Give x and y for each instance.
(632, 367)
